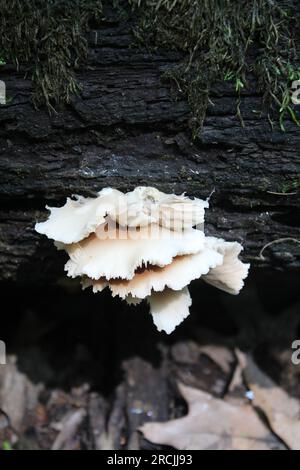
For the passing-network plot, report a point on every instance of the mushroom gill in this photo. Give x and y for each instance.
(118, 252)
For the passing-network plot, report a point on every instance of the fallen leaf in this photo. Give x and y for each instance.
(212, 423)
(282, 411)
(18, 395)
(205, 367)
(188, 352)
(220, 355)
(68, 427)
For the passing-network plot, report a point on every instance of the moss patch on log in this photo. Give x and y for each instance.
(225, 40)
(220, 40)
(48, 38)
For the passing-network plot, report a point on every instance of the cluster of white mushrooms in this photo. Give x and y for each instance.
(144, 244)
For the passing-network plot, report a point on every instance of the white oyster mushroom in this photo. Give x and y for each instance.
(78, 218)
(175, 275)
(124, 250)
(148, 205)
(142, 245)
(230, 275)
(169, 308)
(180, 212)
(141, 207)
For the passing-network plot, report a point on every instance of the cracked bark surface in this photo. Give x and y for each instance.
(126, 129)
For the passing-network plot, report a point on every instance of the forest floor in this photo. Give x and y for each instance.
(86, 371)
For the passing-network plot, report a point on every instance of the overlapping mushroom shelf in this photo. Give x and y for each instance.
(144, 244)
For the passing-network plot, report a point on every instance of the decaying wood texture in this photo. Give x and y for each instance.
(127, 129)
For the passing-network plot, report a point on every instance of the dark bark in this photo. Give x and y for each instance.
(125, 130)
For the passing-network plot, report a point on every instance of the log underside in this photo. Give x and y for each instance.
(125, 130)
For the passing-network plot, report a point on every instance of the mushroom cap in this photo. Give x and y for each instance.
(141, 207)
(176, 275)
(146, 205)
(117, 252)
(181, 212)
(78, 218)
(169, 308)
(230, 275)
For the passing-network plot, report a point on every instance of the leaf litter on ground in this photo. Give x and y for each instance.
(265, 417)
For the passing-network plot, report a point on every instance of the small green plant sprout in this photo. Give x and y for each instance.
(6, 445)
(238, 85)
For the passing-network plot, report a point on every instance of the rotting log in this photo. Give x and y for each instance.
(127, 129)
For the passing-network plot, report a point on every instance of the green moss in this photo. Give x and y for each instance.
(219, 39)
(290, 186)
(47, 38)
(224, 40)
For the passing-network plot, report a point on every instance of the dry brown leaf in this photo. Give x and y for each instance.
(68, 427)
(220, 355)
(188, 352)
(282, 411)
(211, 424)
(18, 395)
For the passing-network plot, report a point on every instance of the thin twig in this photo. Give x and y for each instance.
(281, 194)
(279, 240)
